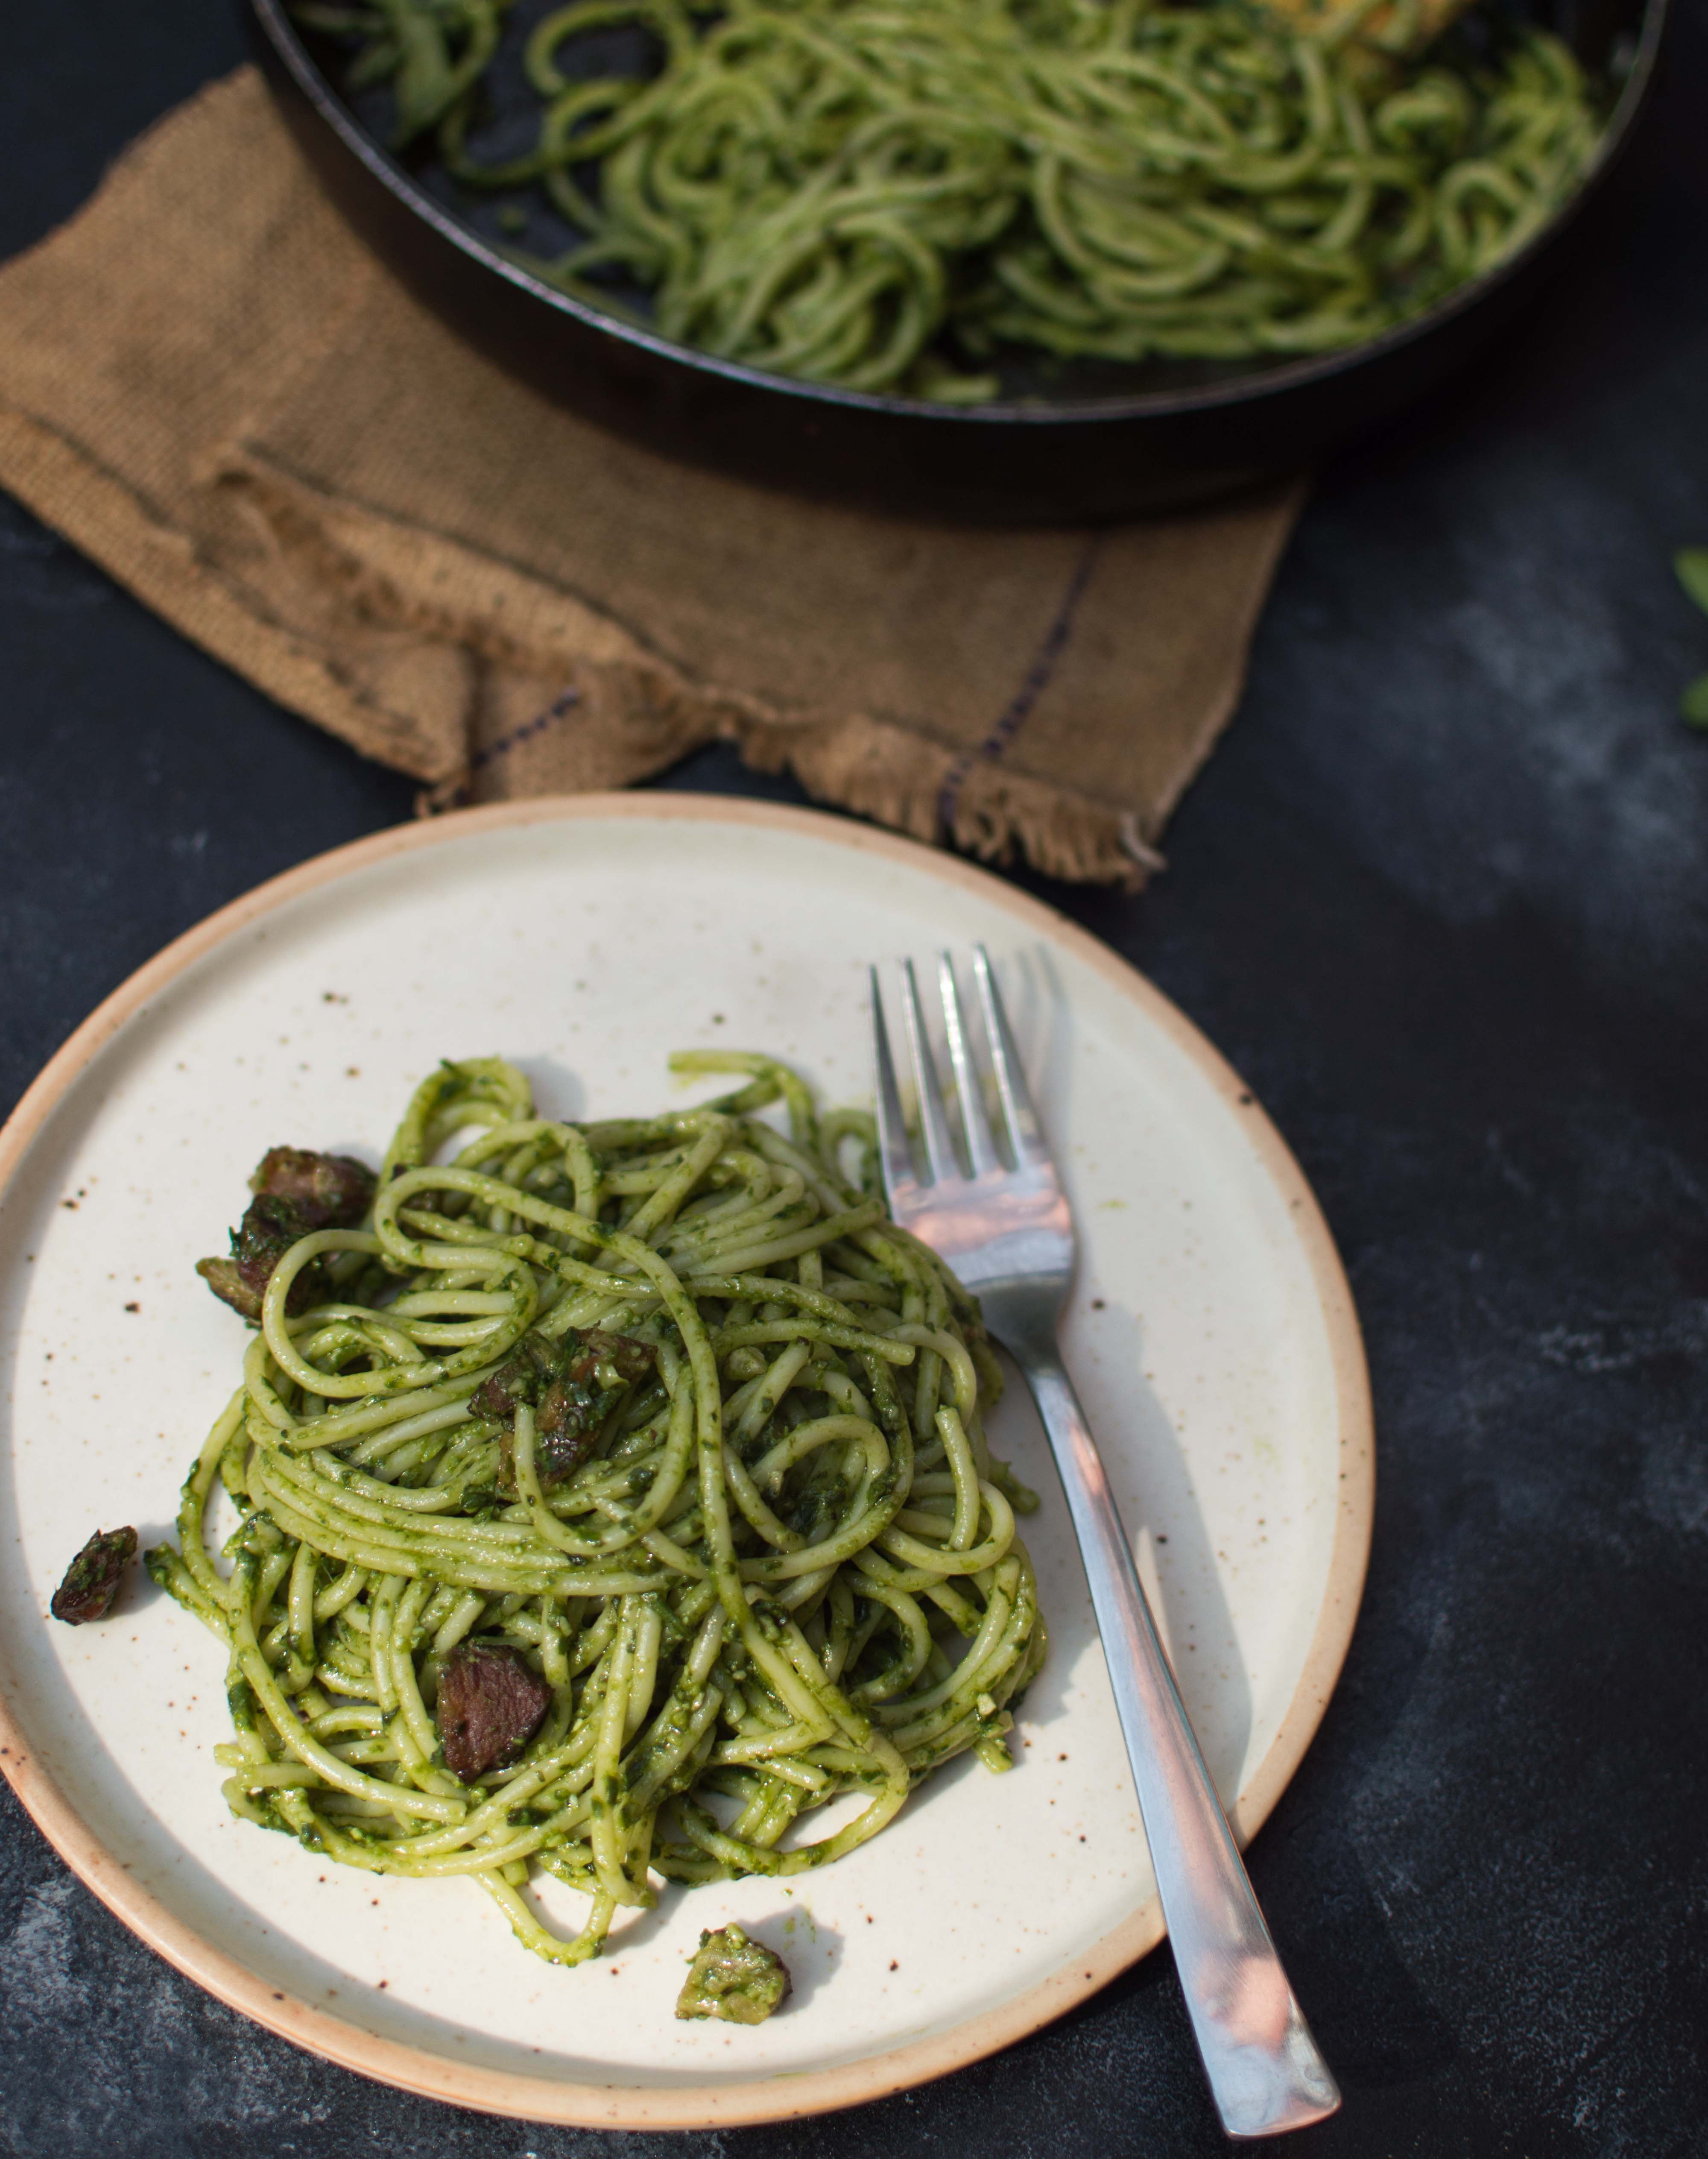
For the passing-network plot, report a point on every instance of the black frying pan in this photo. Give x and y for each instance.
(1086, 444)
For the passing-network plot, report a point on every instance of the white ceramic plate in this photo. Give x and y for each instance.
(1211, 1334)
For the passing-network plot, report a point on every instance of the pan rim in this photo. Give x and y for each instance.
(1241, 391)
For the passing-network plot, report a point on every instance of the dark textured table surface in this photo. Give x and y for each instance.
(1442, 895)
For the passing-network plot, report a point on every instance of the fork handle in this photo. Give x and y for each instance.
(1266, 2074)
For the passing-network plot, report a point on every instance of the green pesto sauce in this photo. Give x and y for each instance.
(646, 1694)
(729, 1977)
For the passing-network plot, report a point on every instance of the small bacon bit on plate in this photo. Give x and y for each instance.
(92, 1579)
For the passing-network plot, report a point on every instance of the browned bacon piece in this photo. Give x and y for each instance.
(92, 1579)
(295, 1191)
(490, 1705)
(573, 1384)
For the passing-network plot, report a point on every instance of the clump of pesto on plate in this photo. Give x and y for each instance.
(729, 1977)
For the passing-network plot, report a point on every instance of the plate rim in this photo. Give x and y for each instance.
(776, 2097)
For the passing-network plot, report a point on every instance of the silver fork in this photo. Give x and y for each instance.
(1009, 1236)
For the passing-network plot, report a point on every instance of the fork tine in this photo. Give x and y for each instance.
(895, 1155)
(981, 1149)
(940, 1147)
(1025, 1132)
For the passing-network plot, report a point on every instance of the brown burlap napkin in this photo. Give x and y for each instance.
(210, 386)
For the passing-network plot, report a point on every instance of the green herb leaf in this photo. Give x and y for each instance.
(1693, 704)
(1691, 564)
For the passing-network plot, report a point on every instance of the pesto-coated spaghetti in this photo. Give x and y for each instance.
(890, 194)
(607, 1469)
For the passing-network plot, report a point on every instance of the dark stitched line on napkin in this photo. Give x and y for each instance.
(537, 725)
(1056, 640)
(506, 744)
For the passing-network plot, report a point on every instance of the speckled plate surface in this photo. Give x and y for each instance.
(1212, 1335)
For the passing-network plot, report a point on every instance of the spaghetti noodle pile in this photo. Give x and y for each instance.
(608, 1471)
(890, 194)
